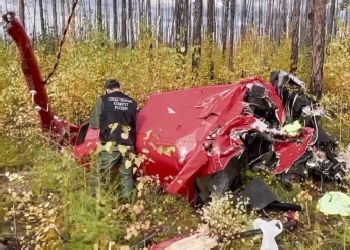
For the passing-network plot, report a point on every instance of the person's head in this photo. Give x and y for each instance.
(112, 86)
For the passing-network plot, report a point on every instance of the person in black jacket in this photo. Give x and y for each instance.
(115, 115)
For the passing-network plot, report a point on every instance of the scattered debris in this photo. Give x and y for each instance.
(200, 240)
(260, 196)
(270, 230)
(197, 242)
(335, 203)
(292, 129)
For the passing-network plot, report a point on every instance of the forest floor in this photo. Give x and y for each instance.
(48, 206)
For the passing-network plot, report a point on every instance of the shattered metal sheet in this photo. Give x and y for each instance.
(204, 126)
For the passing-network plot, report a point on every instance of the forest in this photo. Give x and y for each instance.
(155, 47)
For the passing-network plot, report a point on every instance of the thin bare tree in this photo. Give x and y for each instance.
(197, 34)
(224, 27)
(232, 31)
(149, 14)
(131, 23)
(21, 12)
(99, 15)
(309, 23)
(284, 16)
(319, 34)
(331, 20)
(124, 35)
(252, 12)
(54, 15)
(295, 36)
(115, 21)
(181, 27)
(243, 18)
(42, 19)
(107, 18)
(260, 24)
(63, 15)
(268, 18)
(160, 22)
(337, 9)
(210, 34)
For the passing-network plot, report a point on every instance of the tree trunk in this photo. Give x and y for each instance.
(232, 31)
(54, 15)
(149, 14)
(131, 24)
(210, 19)
(210, 34)
(63, 15)
(225, 25)
(172, 31)
(243, 19)
(260, 25)
(268, 18)
(295, 36)
(160, 22)
(303, 19)
(346, 21)
(181, 26)
(252, 10)
(331, 20)
(309, 23)
(42, 20)
(335, 25)
(189, 22)
(115, 21)
(197, 34)
(72, 28)
(278, 24)
(124, 39)
(21, 12)
(99, 15)
(308, 38)
(319, 33)
(141, 15)
(284, 17)
(81, 28)
(291, 3)
(107, 18)
(273, 20)
(34, 25)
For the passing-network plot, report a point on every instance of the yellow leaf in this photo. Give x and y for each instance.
(126, 129)
(148, 134)
(137, 161)
(122, 149)
(108, 146)
(113, 127)
(125, 136)
(168, 150)
(128, 164)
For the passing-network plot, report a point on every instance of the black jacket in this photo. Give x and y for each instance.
(118, 119)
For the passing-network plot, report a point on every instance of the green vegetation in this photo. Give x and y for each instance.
(59, 211)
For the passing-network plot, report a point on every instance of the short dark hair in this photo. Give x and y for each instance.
(112, 84)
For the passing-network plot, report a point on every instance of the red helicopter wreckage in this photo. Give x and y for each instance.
(204, 137)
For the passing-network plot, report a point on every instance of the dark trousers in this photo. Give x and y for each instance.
(105, 162)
